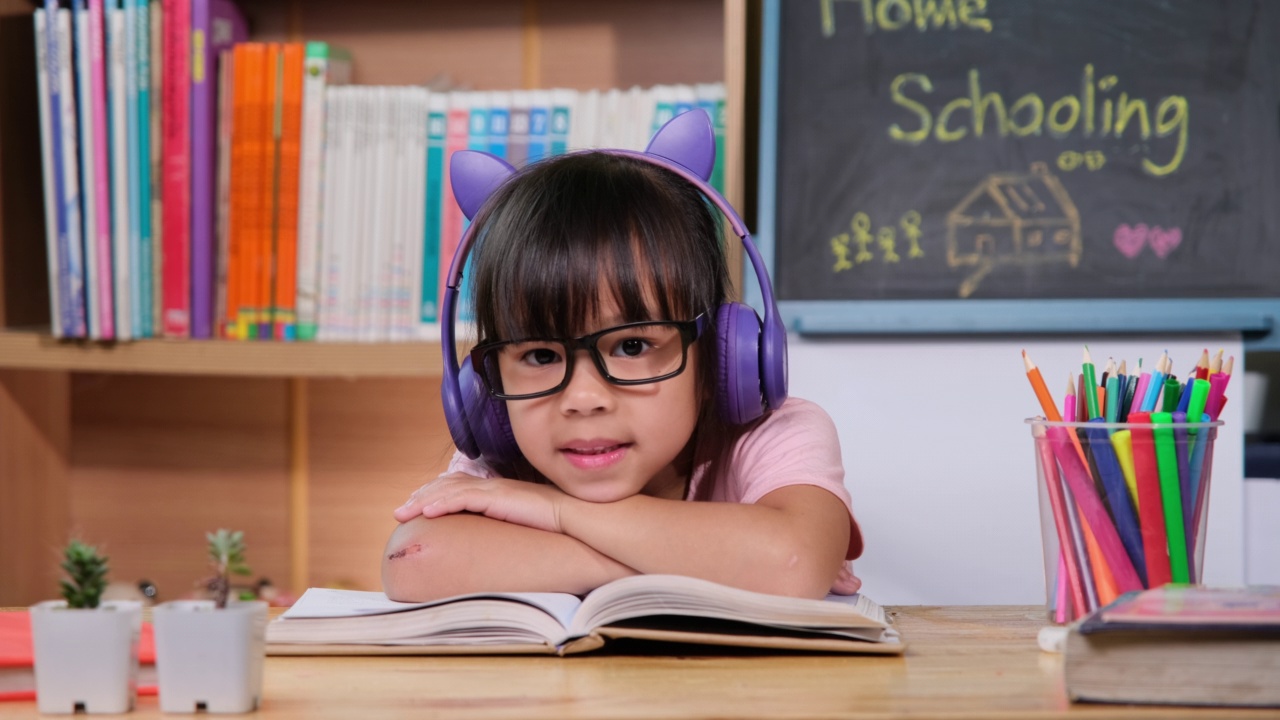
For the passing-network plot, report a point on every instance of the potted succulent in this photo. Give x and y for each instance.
(209, 653)
(85, 649)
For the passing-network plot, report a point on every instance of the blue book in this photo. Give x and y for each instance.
(72, 268)
(499, 129)
(49, 169)
(478, 124)
(539, 125)
(62, 324)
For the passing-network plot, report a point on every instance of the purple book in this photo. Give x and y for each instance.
(215, 26)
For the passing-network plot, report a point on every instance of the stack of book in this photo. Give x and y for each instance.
(198, 185)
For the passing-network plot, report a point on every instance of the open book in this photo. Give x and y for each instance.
(667, 608)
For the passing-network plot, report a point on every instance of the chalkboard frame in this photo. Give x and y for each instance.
(1254, 318)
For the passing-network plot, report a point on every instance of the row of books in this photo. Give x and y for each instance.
(126, 101)
(197, 185)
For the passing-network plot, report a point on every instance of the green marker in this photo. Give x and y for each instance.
(1195, 408)
(1172, 392)
(1171, 495)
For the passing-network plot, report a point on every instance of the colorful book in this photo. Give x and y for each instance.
(457, 124)
(288, 132)
(324, 66)
(499, 122)
(518, 137)
(73, 270)
(87, 156)
(175, 125)
(539, 125)
(155, 12)
(49, 172)
(248, 167)
(562, 102)
(117, 100)
(215, 26)
(437, 124)
(142, 199)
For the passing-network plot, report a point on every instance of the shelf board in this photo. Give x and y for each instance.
(34, 350)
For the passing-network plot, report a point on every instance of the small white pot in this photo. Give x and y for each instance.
(86, 659)
(210, 659)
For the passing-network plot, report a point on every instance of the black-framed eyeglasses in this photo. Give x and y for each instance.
(632, 354)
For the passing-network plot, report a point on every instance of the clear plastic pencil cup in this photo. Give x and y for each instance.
(1123, 506)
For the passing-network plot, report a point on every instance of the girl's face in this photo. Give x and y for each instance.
(603, 442)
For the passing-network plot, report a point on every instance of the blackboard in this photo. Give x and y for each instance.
(955, 152)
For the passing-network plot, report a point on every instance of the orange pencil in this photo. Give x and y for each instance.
(1042, 393)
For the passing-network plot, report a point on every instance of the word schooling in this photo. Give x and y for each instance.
(923, 15)
(1090, 114)
(885, 239)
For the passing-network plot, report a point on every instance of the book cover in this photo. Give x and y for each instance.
(88, 196)
(17, 658)
(101, 182)
(286, 182)
(117, 100)
(175, 125)
(73, 270)
(146, 251)
(665, 608)
(215, 26)
(49, 172)
(324, 65)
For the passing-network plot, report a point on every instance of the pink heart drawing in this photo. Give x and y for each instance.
(1164, 241)
(1129, 240)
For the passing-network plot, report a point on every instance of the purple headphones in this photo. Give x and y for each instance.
(752, 376)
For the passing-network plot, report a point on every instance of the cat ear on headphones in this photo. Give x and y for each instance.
(475, 176)
(688, 139)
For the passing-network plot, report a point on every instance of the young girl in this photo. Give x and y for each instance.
(604, 403)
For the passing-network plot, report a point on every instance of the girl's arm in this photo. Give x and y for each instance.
(791, 542)
(427, 559)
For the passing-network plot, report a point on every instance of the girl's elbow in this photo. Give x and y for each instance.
(795, 573)
(407, 563)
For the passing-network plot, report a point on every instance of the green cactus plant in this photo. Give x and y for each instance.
(226, 553)
(87, 573)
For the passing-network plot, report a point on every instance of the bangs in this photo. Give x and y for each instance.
(571, 233)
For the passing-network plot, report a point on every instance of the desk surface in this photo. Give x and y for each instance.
(961, 662)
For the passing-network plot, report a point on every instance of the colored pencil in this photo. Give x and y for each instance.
(1090, 381)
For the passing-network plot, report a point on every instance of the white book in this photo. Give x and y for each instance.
(665, 608)
(323, 67)
(360, 222)
(120, 232)
(639, 109)
(582, 131)
(70, 165)
(375, 238)
(415, 227)
(609, 132)
(396, 251)
(332, 213)
(91, 276)
(47, 171)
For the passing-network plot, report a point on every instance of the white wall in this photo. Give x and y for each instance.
(942, 468)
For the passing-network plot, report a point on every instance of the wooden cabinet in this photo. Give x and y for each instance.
(142, 447)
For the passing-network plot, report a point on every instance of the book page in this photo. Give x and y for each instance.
(329, 603)
(651, 595)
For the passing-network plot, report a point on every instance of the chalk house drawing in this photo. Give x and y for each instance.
(1012, 219)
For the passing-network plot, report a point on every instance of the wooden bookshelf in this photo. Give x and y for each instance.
(307, 447)
(39, 351)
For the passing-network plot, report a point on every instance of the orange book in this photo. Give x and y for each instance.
(289, 158)
(268, 146)
(245, 65)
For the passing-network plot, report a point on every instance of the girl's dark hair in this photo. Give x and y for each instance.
(567, 229)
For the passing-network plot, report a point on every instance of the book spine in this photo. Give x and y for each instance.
(373, 190)
(101, 186)
(243, 60)
(74, 269)
(452, 220)
(315, 79)
(539, 124)
(286, 286)
(429, 293)
(499, 126)
(131, 159)
(155, 111)
(419, 116)
(176, 184)
(518, 138)
(214, 26)
(118, 100)
(333, 213)
(394, 253)
(711, 100)
(562, 102)
(88, 197)
(226, 105)
(264, 262)
(49, 170)
(146, 264)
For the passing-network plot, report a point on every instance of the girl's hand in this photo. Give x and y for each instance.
(846, 582)
(514, 501)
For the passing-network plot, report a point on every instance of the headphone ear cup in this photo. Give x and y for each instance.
(486, 418)
(738, 339)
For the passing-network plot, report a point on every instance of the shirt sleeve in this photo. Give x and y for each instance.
(463, 464)
(796, 445)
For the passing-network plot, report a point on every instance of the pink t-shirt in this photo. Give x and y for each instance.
(796, 445)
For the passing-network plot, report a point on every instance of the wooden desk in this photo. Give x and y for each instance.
(962, 662)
